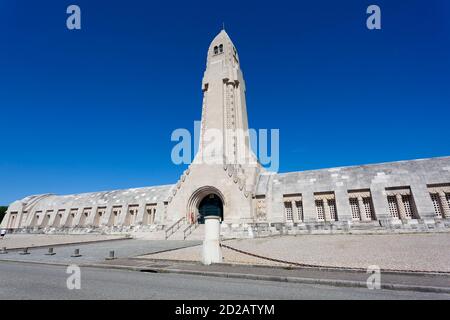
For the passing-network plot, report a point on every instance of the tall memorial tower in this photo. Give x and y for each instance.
(225, 170)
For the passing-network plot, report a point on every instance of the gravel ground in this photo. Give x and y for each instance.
(12, 241)
(422, 252)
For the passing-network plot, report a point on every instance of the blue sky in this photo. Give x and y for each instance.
(88, 110)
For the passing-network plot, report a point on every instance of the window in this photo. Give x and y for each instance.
(288, 211)
(436, 205)
(221, 48)
(216, 50)
(332, 206)
(368, 208)
(393, 209)
(149, 217)
(447, 196)
(406, 199)
(361, 204)
(319, 210)
(299, 207)
(355, 208)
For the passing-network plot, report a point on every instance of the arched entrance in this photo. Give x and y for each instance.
(211, 205)
(205, 201)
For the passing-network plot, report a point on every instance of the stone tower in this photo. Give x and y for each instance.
(224, 166)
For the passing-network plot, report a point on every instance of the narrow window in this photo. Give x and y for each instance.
(299, 207)
(437, 207)
(406, 199)
(288, 211)
(319, 210)
(368, 208)
(355, 208)
(332, 206)
(393, 209)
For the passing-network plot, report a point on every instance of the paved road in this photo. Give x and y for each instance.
(32, 281)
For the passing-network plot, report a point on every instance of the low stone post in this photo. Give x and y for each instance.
(76, 253)
(111, 255)
(212, 252)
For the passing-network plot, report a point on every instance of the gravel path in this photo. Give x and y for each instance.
(422, 252)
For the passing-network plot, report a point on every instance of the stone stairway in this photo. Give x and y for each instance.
(197, 234)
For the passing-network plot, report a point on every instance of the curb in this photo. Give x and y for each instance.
(288, 267)
(336, 283)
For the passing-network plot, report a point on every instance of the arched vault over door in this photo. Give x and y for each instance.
(196, 199)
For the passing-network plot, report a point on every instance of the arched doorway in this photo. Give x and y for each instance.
(211, 205)
(204, 201)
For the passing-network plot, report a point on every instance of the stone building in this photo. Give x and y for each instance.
(228, 181)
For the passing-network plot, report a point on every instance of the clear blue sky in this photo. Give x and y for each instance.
(89, 110)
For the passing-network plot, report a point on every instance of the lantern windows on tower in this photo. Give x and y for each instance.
(218, 49)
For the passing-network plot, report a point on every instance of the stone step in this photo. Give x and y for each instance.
(197, 234)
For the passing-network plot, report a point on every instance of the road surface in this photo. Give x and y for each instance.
(35, 281)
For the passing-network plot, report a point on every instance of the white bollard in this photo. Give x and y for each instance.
(212, 252)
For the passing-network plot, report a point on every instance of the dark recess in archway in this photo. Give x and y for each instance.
(211, 205)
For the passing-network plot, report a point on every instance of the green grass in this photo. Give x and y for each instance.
(2, 212)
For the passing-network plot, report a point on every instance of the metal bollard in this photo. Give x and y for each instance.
(25, 251)
(111, 255)
(76, 253)
(50, 252)
(3, 251)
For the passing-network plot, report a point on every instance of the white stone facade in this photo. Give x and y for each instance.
(411, 195)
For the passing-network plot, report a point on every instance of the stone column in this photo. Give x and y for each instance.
(380, 203)
(105, 217)
(326, 209)
(421, 203)
(309, 207)
(343, 210)
(76, 220)
(52, 219)
(159, 215)
(91, 218)
(139, 219)
(400, 206)
(294, 212)
(30, 218)
(20, 217)
(276, 214)
(64, 217)
(444, 205)
(123, 215)
(362, 209)
(212, 252)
